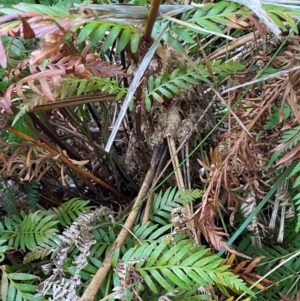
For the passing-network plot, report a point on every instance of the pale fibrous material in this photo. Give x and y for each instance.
(78, 234)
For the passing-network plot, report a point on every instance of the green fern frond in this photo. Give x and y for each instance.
(146, 233)
(18, 286)
(8, 199)
(290, 138)
(213, 17)
(222, 69)
(32, 193)
(89, 270)
(275, 116)
(296, 200)
(3, 249)
(182, 265)
(123, 33)
(287, 276)
(37, 231)
(16, 52)
(44, 249)
(76, 86)
(291, 134)
(169, 85)
(188, 196)
(54, 11)
(23, 108)
(105, 238)
(193, 294)
(280, 14)
(68, 212)
(163, 204)
(34, 229)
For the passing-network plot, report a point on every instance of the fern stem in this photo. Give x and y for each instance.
(154, 8)
(101, 274)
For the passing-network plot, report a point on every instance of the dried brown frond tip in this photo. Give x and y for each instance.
(50, 46)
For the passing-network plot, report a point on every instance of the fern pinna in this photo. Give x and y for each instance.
(171, 268)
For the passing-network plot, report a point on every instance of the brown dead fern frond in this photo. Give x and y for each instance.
(213, 234)
(105, 69)
(245, 270)
(33, 76)
(33, 25)
(26, 162)
(241, 159)
(44, 83)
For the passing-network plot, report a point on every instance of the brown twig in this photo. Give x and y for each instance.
(95, 284)
(180, 183)
(74, 101)
(147, 210)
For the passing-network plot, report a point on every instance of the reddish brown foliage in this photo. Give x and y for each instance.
(64, 59)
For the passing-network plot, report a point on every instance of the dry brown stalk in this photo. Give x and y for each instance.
(74, 101)
(95, 284)
(180, 184)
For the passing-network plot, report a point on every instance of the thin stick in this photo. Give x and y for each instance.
(270, 272)
(180, 184)
(95, 284)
